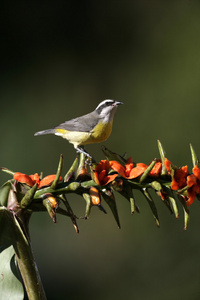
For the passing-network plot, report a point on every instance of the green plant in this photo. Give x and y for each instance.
(24, 195)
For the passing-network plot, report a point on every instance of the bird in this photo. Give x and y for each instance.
(94, 127)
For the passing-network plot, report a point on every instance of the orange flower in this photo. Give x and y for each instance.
(23, 178)
(128, 171)
(193, 181)
(168, 165)
(35, 177)
(156, 171)
(192, 184)
(32, 179)
(196, 172)
(101, 176)
(191, 196)
(48, 180)
(182, 178)
(179, 180)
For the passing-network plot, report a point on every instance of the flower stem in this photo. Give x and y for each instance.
(25, 258)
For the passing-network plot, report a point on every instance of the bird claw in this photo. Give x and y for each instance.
(89, 160)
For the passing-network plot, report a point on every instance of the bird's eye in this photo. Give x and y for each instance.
(109, 103)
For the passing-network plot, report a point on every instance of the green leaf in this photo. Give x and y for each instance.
(7, 171)
(162, 156)
(10, 282)
(195, 160)
(58, 173)
(49, 207)
(173, 203)
(28, 197)
(110, 200)
(164, 193)
(152, 205)
(4, 192)
(71, 173)
(186, 218)
(69, 211)
(14, 234)
(127, 193)
(88, 207)
(147, 171)
(5, 227)
(185, 210)
(113, 156)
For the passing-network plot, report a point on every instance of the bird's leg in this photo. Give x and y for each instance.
(81, 149)
(89, 158)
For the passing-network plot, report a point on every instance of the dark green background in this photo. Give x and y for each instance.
(59, 59)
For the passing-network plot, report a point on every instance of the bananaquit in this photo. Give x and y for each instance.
(94, 127)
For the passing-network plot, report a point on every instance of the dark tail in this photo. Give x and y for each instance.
(48, 131)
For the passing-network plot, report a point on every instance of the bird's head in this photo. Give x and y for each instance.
(107, 108)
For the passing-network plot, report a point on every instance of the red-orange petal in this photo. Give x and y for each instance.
(96, 177)
(109, 178)
(102, 165)
(156, 169)
(35, 178)
(191, 180)
(48, 180)
(196, 172)
(168, 165)
(174, 185)
(23, 178)
(180, 176)
(197, 189)
(141, 165)
(129, 166)
(116, 166)
(191, 196)
(137, 171)
(129, 160)
(102, 175)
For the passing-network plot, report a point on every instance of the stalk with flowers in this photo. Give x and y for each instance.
(23, 195)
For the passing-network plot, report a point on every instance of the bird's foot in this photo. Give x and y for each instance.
(89, 160)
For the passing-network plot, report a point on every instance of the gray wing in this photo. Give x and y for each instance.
(84, 124)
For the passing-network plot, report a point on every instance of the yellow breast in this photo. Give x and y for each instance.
(99, 134)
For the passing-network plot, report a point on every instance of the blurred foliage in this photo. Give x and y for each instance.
(59, 60)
